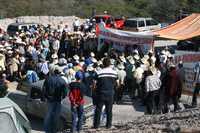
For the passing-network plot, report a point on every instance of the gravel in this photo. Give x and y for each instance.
(183, 121)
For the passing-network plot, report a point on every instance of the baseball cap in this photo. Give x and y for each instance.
(79, 75)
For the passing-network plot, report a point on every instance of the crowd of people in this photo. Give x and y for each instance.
(70, 68)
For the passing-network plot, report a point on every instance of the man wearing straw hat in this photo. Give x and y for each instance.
(121, 73)
(152, 86)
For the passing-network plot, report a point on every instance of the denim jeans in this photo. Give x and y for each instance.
(108, 102)
(77, 113)
(152, 102)
(195, 93)
(52, 117)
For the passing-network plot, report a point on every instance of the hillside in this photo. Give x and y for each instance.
(163, 10)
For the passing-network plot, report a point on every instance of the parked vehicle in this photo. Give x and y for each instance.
(119, 22)
(12, 118)
(16, 27)
(29, 99)
(141, 24)
(189, 45)
(107, 19)
(110, 22)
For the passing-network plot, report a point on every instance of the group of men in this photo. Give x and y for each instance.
(41, 53)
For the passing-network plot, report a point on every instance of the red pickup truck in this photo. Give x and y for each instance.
(109, 21)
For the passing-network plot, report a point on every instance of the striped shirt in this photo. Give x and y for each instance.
(106, 81)
(152, 83)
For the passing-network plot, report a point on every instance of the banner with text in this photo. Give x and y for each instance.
(125, 37)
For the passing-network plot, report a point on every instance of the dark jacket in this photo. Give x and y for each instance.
(173, 83)
(55, 88)
(106, 82)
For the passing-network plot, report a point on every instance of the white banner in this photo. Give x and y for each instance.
(125, 37)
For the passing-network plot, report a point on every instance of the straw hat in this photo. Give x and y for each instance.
(7, 45)
(131, 60)
(163, 52)
(22, 59)
(1, 55)
(170, 56)
(8, 48)
(163, 58)
(145, 61)
(138, 73)
(90, 68)
(137, 57)
(54, 56)
(180, 62)
(19, 41)
(2, 49)
(59, 69)
(146, 56)
(10, 52)
(167, 53)
(153, 70)
(99, 62)
(122, 58)
(82, 58)
(94, 60)
(10, 38)
(172, 65)
(136, 51)
(62, 61)
(92, 54)
(153, 59)
(129, 57)
(120, 66)
(150, 51)
(82, 63)
(76, 57)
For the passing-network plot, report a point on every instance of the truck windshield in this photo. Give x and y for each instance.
(130, 23)
(12, 28)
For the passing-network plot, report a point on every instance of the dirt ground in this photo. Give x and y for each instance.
(126, 114)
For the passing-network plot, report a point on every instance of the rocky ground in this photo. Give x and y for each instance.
(184, 121)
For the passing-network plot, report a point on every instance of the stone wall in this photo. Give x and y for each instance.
(53, 20)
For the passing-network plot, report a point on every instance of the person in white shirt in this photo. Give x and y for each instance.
(56, 45)
(121, 74)
(152, 86)
(76, 24)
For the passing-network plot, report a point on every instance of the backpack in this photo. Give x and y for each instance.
(31, 76)
(51, 87)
